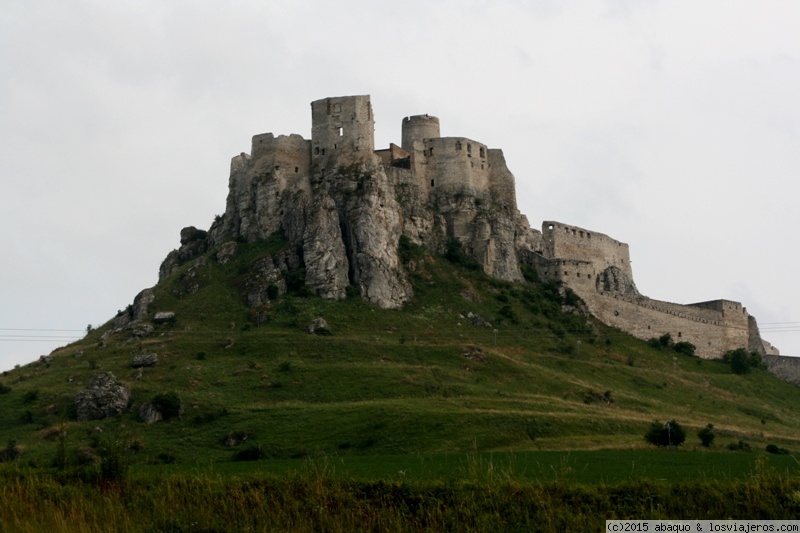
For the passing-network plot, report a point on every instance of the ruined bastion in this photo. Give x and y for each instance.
(344, 205)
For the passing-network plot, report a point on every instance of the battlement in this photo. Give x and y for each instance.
(563, 241)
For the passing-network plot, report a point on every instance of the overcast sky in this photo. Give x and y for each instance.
(673, 126)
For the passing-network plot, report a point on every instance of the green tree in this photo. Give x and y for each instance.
(669, 434)
(707, 435)
(739, 360)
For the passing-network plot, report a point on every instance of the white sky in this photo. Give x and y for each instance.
(672, 126)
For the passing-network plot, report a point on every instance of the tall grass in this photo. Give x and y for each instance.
(315, 500)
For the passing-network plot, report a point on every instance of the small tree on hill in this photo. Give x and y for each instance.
(669, 434)
(742, 361)
(707, 435)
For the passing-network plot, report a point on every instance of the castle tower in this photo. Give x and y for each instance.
(342, 131)
(417, 128)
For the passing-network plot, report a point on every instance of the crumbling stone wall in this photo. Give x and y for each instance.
(571, 242)
(342, 131)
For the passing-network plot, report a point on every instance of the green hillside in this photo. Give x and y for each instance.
(253, 383)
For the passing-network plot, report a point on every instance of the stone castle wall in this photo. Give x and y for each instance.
(457, 166)
(571, 242)
(342, 131)
(598, 269)
(418, 128)
(646, 318)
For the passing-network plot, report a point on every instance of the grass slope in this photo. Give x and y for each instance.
(423, 380)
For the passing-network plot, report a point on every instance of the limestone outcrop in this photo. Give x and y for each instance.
(102, 398)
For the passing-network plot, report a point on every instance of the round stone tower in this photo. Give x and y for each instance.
(417, 128)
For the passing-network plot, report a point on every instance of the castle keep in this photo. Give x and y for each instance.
(344, 205)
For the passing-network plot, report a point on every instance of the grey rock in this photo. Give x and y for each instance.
(145, 359)
(141, 329)
(141, 304)
(149, 414)
(478, 320)
(226, 252)
(163, 316)
(102, 398)
(318, 326)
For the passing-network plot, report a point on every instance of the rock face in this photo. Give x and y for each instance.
(104, 397)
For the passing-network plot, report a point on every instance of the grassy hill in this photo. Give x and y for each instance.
(424, 380)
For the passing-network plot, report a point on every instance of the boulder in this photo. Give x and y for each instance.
(164, 316)
(102, 398)
(145, 359)
(141, 329)
(318, 326)
(149, 414)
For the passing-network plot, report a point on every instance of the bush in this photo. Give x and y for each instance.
(454, 252)
(771, 448)
(168, 404)
(252, 453)
(685, 348)
(529, 273)
(741, 446)
(707, 435)
(30, 396)
(114, 461)
(4, 389)
(669, 434)
(11, 452)
(273, 291)
(742, 361)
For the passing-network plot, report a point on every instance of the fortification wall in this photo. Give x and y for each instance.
(417, 128)
(285, 159)
(646, 318)
(571, 242)
(501, 181)
(456, 166)
(342, 131)
(786, 368)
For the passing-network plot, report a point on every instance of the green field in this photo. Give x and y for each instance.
(543, 395)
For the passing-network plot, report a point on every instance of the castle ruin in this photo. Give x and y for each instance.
(344, 205)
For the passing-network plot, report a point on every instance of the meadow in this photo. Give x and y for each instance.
(482, 405)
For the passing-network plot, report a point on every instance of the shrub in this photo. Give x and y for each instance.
(454, 252)
(593, 397)
(168, 404)
(669, 434)
(30, 396)
(11, 452)
(251, 453)
(741, 446)
(771, 448)
(707, 435)
(273, 291)
(113, 452)
(4, 389)
(742, 361)
(685, 348)
(529, 273)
